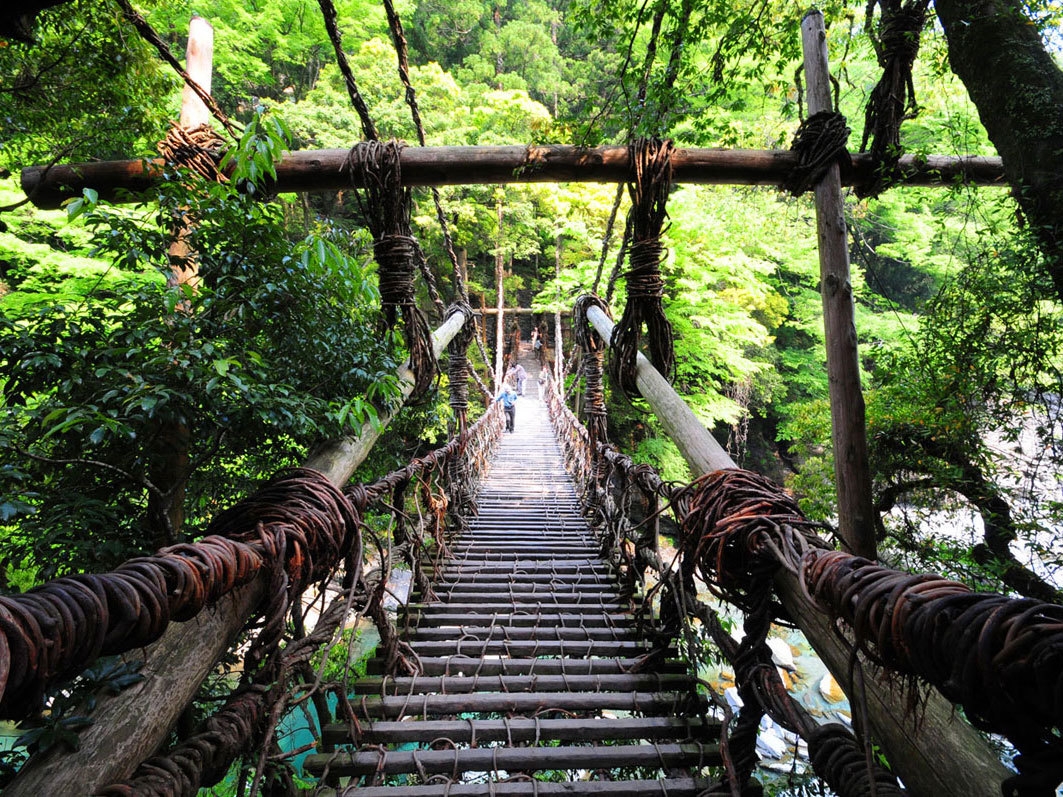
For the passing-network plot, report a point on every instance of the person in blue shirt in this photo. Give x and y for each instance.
(518, 374)
(508, 397)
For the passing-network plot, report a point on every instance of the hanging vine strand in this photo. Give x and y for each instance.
(385, 203)
(651, 182)
(398, 38)
(328, 13)
(892, 101)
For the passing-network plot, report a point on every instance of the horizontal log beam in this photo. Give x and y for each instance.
(324, 170)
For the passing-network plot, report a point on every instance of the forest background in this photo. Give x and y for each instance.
(959, 326)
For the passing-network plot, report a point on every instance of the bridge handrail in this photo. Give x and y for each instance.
(1000, 658)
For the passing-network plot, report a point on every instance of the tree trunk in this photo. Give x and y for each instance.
(1017, 87)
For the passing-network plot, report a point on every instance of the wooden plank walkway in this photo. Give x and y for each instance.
(532, 679)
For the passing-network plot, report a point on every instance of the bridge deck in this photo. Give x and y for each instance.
(532, 679)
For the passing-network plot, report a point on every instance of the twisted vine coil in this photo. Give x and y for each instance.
(54, 631)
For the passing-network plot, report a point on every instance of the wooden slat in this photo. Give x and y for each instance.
(530, 608)
(540, 577)
(630, 682)
(493, 759)
(454, 665)
(673, 787)
(524, 730)
(544, 633)
(531, 648)
(516, 620)
(524, 588)
(427, 705)
(531, 566)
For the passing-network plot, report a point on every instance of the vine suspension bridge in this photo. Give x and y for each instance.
(547, 648)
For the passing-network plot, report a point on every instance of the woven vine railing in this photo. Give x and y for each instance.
(298, 530)
(999, 658)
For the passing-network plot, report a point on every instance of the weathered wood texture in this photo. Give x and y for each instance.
(489, 759)
(323, 170)
(852, 473)
(131, 726)
(523, 730)
(677, 787)
(933, 751)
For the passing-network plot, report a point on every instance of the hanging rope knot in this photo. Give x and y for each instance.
(736, 523)
(893, 98)
(458, 362)
(644, 277)
(819, 143)
(593, 348)
(393, 253)
(199, 149)
(651, 162)
(899, 33)
(386, 203)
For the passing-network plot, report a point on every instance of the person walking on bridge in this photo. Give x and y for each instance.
(519, 375)
(508, 397)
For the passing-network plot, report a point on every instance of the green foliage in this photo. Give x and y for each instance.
(336, 663)
(274, 349)
(52, 92)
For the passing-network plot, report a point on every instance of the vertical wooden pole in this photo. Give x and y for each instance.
(559, 348)
(851, 470)
(500, 324)
(169, 463)
(199, 61)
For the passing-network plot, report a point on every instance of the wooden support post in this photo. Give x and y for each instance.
(852, 473)
(199, 60)
(134, 724)
(931, 748)
(500, 328)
